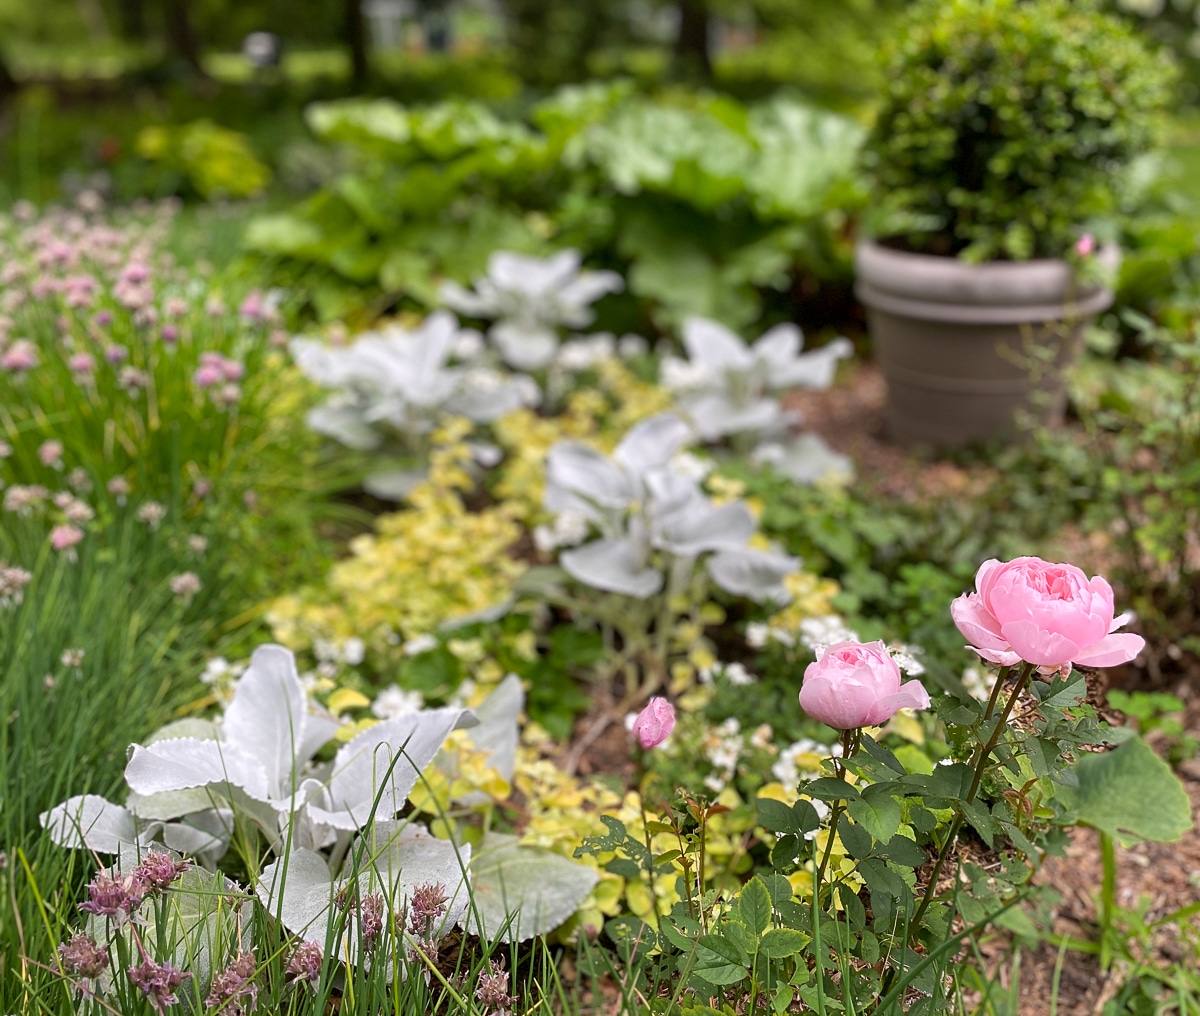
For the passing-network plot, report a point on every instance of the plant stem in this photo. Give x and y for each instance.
(1108, 897)
(981, 760)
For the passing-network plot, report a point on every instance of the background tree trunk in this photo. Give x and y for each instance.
(132, 17)
(181, 37)
(356, 39)
(691, 44)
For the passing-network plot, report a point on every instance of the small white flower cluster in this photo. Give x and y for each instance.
(394, 701)
(569, 529)
(723, 748)
(979, 682)
(419, 644)
(735, 674)
(818, 632)
(332, 656)
(221, 675)
(583, 352)
(787, 769)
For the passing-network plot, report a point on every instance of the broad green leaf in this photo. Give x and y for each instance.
(1130, 794)
(780, 942)
(754, 906)
(719, 960)
(878, 813)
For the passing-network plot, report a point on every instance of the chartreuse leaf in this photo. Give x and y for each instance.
(1130, 794)
(877, 812)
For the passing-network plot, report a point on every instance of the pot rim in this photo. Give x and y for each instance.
(944, 288)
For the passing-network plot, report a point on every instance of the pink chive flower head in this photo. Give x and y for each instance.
(157, 982)
(111, 897)
(158, 870)
(83, 956)
(234, 990)
(116, 354)
(50, 453)
(65, 537)
(654, 723)
(1085, 246)
(1050, 615)
(857, 684)
(305, 962)
(20, 356)
(81, 363)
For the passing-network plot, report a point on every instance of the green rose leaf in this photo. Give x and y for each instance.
(1130, 794)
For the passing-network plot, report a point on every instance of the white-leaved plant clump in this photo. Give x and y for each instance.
(329, 823)
(529, 299)
(727, 388)
(653, 520)
(392, 386)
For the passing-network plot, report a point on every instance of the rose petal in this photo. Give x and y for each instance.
(1036, 645)
(976, 623)
(1112, 650)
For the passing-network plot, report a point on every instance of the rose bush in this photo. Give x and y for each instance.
(1050, 615)
(856, 684)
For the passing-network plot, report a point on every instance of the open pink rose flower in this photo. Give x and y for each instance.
(1051, 615)
(857, 684)
(654, 723)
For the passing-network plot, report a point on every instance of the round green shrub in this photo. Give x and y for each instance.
(1008, 124)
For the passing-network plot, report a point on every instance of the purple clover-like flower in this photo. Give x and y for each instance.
(158, 870)
(234, 991)
(157, 982)
(370, 920)
(305, 963)
(112, 897)
(428, 903)
(491, 991)
(83, 956)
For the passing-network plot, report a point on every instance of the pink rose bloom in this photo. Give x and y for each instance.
(654, 723)
(857, 684)
(1051, 615)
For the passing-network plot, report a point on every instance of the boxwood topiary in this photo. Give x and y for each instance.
(1008, 123)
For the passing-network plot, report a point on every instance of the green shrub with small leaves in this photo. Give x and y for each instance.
(1008, 124)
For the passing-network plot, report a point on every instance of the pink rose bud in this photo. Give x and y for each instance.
(654, 723)
(1051, 615)
(1085, 246)
(857, 684)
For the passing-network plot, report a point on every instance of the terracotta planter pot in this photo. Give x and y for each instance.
(964, 347)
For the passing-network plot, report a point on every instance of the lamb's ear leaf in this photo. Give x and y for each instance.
(298, 890)
(807, 459)
(403, 856)
(711, 343)
(267, 715)
(755, 574)
(360, 769)
(653, 442)
(499, 725)
(185, 763)
(611, 566)
(393, 484)
(520, 891)
(89, 822)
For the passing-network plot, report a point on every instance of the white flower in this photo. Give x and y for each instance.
(569, 529)
(419, 644)
(395, 701)
(630, 346)
(818, 632)
(906, 659)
